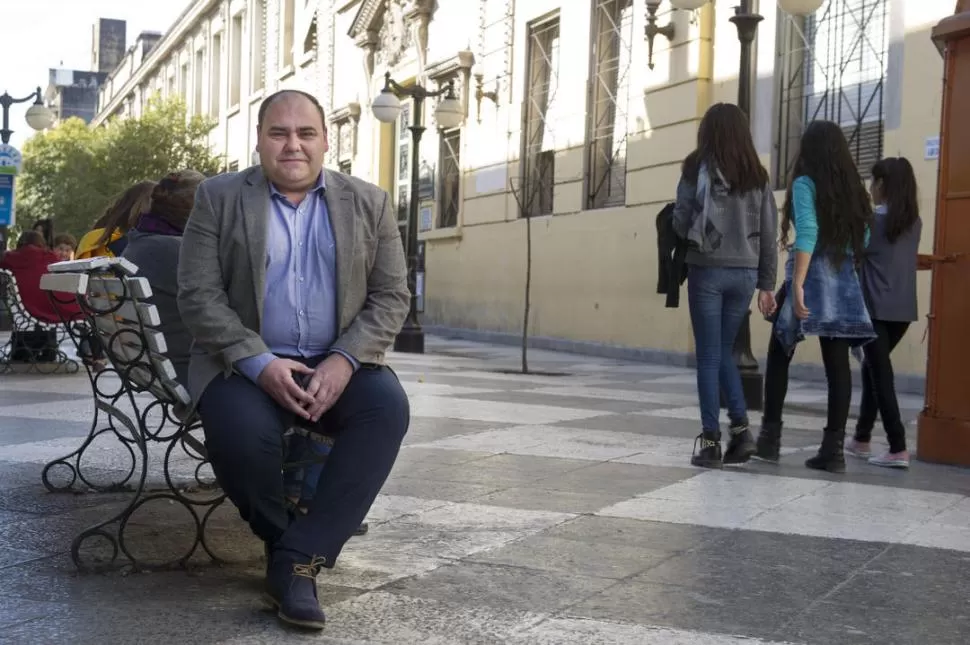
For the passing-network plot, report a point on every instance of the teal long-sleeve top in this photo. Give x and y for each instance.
(805, 215)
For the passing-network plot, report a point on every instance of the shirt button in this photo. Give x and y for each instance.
(301, 312)
(301, 279)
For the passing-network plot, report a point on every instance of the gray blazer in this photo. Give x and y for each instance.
(222, 271)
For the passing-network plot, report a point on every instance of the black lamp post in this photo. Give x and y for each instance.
(38, 117)
(746, 20)
(449, 114)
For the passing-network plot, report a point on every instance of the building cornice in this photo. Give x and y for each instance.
(184, 26)
(366, 18)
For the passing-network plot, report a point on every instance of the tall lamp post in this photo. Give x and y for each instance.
(38, 117)
(746, 19)
(449, 114)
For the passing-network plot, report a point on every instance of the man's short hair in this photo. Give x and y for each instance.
(269, 100)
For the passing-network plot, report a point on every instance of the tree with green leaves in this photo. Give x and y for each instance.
(73, 172)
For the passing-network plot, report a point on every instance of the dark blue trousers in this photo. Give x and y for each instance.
(244, 438)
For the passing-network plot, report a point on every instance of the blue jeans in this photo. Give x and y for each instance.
(718, 299)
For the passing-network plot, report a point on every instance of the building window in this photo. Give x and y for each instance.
(611, 48)
(287, 27)
(235, 59)
(535, 194)
(449, 178)
(215, 77)
(402, 167)
(257, 47)
(234, 166)
(198, 70)
(833, 68)
(184, 82)
(345, 167)
(310, 41)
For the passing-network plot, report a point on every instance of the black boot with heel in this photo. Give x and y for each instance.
(830, 456)
(768, 446)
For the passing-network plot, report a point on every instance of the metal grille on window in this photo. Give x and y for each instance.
(402, 175)
(833, 68)
(450, 178)
(538, 118)
(611, 51)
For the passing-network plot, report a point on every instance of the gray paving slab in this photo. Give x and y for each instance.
(523, 509)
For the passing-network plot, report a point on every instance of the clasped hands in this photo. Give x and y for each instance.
(325, 385)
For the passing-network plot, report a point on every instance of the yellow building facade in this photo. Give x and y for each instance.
(573, 115)
(602, 126)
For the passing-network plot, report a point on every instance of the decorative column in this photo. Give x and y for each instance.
(418, 16)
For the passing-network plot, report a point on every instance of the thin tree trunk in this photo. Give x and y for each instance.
(528, 293)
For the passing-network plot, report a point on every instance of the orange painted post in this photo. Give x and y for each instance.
(944, 424)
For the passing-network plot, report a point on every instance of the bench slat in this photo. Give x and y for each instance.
(107, 329)
(76, 283)
(88, 265)
(131, 311)
(100, 286)
(131, 351)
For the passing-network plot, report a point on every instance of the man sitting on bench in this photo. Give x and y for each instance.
(293, 284)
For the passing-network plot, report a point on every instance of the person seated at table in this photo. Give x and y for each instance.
(27, 264)
(64, 245)
(153, 246)
(107, 238)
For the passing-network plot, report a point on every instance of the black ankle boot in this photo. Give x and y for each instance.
(741, 445)
(830, 456)
(768, 447)
(709, 455)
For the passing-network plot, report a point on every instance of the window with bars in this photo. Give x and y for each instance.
(449, 178)
(611, 48)
(833, 67)
(538, 145)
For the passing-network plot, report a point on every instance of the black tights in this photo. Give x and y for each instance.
(878, 386)
(835, 357)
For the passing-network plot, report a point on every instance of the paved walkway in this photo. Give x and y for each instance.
(523, 509)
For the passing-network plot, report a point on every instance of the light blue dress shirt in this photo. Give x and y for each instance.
(300, 306)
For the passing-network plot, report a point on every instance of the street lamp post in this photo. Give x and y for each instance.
(746, 20)
(38, 117)
(449, 114)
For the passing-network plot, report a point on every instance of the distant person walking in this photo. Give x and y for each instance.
(888, 275)
(726, 211)
(829, 209)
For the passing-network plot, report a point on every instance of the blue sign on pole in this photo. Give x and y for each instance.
(6, 200)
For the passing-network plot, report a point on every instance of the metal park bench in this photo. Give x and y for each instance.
(139, 403)
(35, 345)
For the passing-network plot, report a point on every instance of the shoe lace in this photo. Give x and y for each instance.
(311, 569)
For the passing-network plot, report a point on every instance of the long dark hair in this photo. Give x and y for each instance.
(724, 141)
(898, 183)
(135, 200)
(841, 200)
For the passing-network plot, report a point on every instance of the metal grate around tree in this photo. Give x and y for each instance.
(833, 68)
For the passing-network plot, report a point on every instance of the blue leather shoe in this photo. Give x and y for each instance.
(291, 588)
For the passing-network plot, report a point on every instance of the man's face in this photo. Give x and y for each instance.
(64, 252)
(291, 143)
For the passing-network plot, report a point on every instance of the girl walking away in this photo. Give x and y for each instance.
(726, 212)
(829, 208)
(888, 275)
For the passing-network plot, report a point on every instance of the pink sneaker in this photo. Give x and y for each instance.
(891, 460)
(858, 449)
